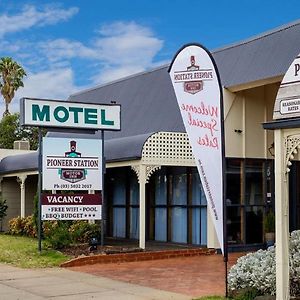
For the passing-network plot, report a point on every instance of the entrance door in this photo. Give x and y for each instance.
(294, 187)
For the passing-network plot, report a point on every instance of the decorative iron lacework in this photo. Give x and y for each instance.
(292, 145)
(150, 169)
(168, 148)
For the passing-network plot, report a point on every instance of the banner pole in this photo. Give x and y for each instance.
(40, 191)
(103, 184)
(225, 245)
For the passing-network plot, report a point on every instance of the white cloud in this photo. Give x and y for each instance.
(124, 49)
(30, 16)
(119, 49)
(110, 74)
(54, 84)
(59, 49)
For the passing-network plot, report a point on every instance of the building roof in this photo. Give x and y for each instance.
(19, 163)
(261, 57)
(129, 148)
(148, 102)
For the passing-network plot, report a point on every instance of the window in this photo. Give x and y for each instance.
(178, 206)
(119, 205)
(160, 183)
(134, 207)
(123, 200)
(249, 189)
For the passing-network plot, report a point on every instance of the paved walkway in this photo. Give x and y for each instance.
(193, 276)
(16, 283)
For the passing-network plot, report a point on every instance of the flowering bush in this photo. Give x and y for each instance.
(16, 226)
(295, 263)
(258, 270)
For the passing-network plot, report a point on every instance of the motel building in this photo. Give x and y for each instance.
(152, 187)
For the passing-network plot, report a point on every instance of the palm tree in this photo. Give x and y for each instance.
(11, 76)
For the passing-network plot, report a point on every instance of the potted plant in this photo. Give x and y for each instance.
(269, 228)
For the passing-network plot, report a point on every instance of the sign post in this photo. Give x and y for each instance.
(70, 164)
(40, 161)
(197, 86)
(103, 219)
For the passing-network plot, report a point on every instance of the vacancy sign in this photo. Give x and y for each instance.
(72, 164)
(66, 114)
(71, 207)
(197, 88)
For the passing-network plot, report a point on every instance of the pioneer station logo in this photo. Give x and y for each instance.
(193, 78)
(72, 167)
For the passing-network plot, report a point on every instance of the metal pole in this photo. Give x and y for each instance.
(40, 191)
(225, 244)
(103, 188)
(225, 249)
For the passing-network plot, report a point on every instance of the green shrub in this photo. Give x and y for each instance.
(36, 210)
(82, 231)
(58, 237)
(57, 234)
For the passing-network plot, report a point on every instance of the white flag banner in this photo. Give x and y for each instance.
(198, 92)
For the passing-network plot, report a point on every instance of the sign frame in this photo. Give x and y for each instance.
(24, 121)
(84, 207)
(74, 128)
(51, 169)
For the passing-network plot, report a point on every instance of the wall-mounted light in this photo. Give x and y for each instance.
(238, 130)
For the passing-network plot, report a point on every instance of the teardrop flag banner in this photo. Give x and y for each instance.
(196, 83)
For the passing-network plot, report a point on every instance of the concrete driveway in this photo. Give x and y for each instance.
(56, 283)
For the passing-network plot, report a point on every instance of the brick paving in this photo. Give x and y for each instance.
(194, 276)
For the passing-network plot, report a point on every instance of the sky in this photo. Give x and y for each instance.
(68, 46)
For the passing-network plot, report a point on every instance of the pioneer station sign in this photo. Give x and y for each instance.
(72, 164)
(64, 114)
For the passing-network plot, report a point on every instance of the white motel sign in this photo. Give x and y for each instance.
(52, 113)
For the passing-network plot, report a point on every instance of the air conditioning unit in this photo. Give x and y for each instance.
(21, 145)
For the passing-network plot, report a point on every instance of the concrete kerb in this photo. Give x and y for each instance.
(137, 256)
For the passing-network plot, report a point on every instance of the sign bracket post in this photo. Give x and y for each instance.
(40, 160)
(103, 219)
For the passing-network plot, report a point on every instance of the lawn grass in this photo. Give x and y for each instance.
(22, 252)
(211, 298)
